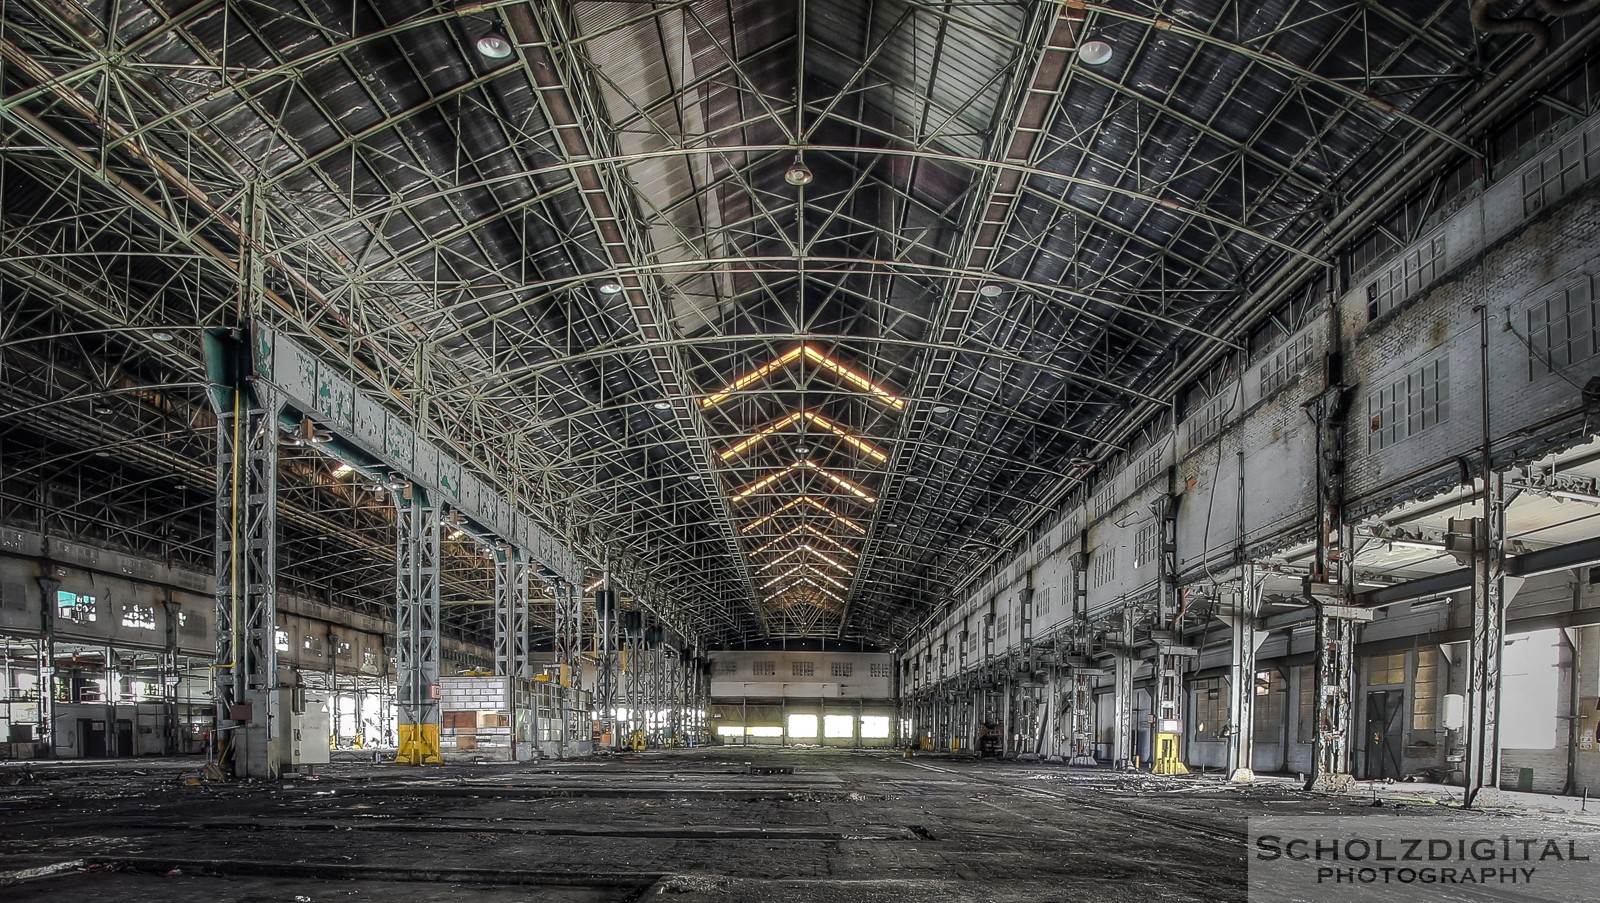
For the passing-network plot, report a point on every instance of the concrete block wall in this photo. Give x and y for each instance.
(743, 682)
(479, 696)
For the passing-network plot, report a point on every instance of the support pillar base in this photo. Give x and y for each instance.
(1332, 783)
(1485, 796)
(419, 745)
(1242, 776)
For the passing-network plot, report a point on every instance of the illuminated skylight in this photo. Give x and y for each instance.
(841, 547)
(805, 567)
(805, 500)
(837, 480)
(754, 376)
(811, 353)
(742, 445)
(808, 549)
(762, 483)
(861, 445)
(806, 581)
(851, 376)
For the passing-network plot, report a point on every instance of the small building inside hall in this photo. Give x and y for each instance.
(1003, 450)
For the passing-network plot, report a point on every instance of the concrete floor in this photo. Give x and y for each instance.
(693, 824)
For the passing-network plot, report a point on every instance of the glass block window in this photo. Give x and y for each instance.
(1148, 468)
(1210, 708)
(802, 669)
(1286, 364)
(1147, 544)
(1103, 500)
(1270, 691)
(878, 670)
(76, 607)
(1425, 691)
(1417, 401)
(1105, 567)
(1387, 670)
(843, 669)
(1041, 600)
(727, 666)
(1308, 703)
(1206, 420)
(764, 669)
(1563, 329)
(1415, 270)
(1557, 172)
(139, 617)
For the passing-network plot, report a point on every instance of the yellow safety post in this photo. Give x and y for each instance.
(419, 745)
(1166, 759)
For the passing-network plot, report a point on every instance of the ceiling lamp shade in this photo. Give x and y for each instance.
(798, 173)
(1094, 53)
(610, 287)
(494, 45)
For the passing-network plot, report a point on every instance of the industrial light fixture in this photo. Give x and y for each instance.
(610, 287)
(104, 409)
(494, 45)
(941, 409)
(1419, 544)
(343, 470)
(990, 290)
(161, 335)
(802, 450)
(1095, 52)
(662, 405)
(102, 454)
(798, 172)
(308, 433)
(1572, 495)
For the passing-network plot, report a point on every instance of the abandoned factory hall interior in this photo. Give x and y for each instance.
(799, 450)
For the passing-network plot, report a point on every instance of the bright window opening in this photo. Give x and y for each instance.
(1530, 684)
(764, 731)
(730, 730)
(839, 726)
(802, 727)
(874, 727)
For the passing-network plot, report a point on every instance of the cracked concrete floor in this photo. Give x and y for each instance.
(693, 824)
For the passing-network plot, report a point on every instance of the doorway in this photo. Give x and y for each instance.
(1384, 733)
(91, 738)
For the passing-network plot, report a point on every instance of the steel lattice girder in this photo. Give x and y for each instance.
(425, 221)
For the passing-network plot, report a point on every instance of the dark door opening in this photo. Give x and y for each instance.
(1384, 733)
(91, 738)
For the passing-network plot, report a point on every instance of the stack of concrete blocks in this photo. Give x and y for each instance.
(475, 718)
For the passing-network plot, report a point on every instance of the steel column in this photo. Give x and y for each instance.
(1486, 649)
(569, 635)
(1123, 747)
(417, 530)
(1246, 642)
(246, 675)
(45, 664)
